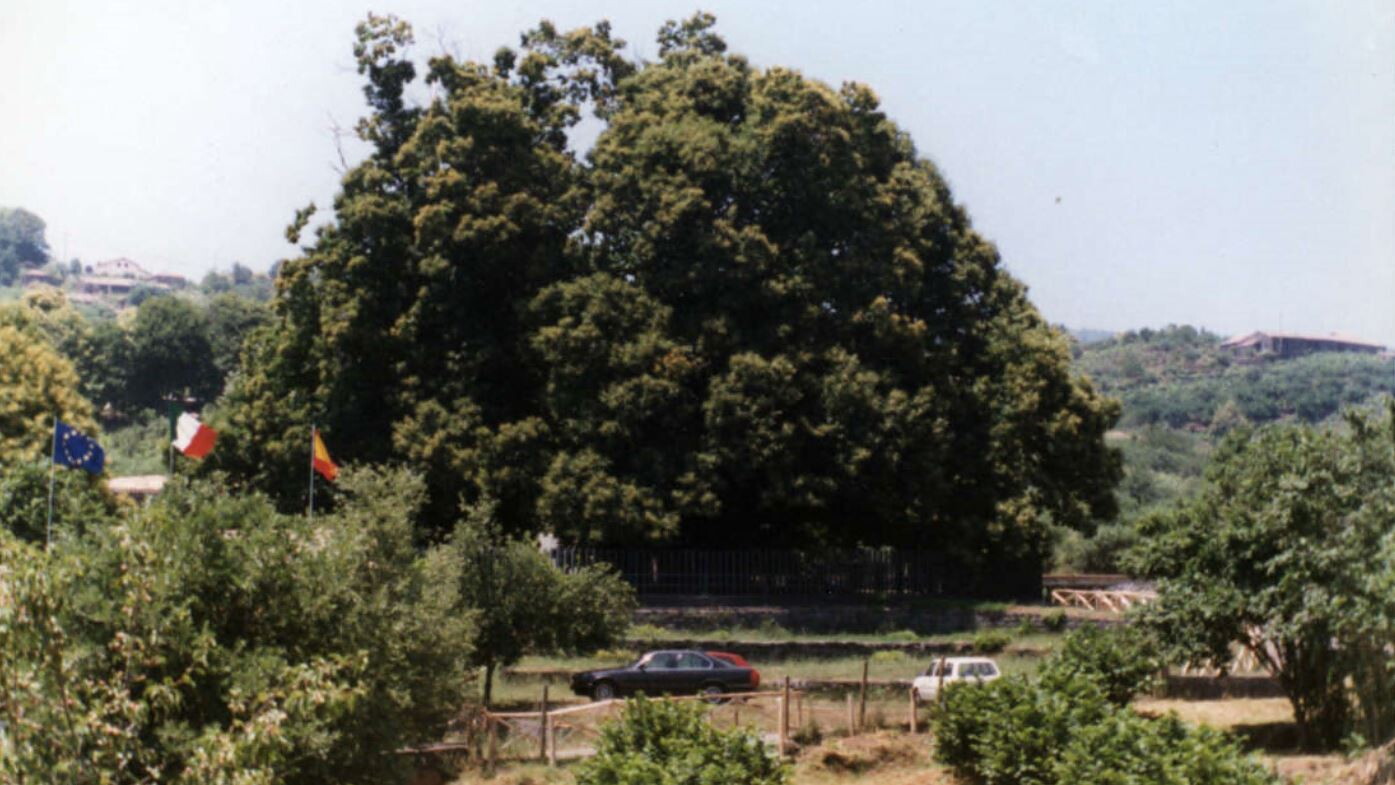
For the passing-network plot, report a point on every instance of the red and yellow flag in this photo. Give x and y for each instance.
(320, 460)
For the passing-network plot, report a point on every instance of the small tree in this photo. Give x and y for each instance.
(1286, 554)
(528, 606)
(668, 743)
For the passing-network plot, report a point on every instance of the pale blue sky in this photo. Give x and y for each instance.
(1229, 164)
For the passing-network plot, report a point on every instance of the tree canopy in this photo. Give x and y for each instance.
(752, 313)
(1288, 552)
(36, 385)
(22, 242)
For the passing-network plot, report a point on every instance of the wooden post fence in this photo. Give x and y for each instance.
(914, 718)
(785, 718)
(542, 727)
(862, 699)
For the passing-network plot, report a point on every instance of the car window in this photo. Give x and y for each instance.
(989, 669)
(690, 659)
(661, 660)
(935, 669)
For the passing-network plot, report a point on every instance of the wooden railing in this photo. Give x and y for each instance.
(1100, 599)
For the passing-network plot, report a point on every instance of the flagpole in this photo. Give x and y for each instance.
(311, 513)
(52, 460)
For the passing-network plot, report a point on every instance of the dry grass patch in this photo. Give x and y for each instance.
(1223, 714)
(884, 758)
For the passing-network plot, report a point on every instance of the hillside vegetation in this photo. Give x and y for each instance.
(1180, 377)
(1180, 393)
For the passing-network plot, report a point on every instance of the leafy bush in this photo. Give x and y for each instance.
(991, 641)
(1128, 748)
(902, 636)
(889, 655)
(1010, 731)
(1055, 621)
(667, 743)
(1122, 661)
(206, 638)
(1062, 730)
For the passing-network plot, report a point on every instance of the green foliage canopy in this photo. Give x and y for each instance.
(1287, 552)
(207, 638)
(1061, 730)
(753, 314)
(171, 353)
(528, 606)
(669, 743)
(22, 243)
(36, 384)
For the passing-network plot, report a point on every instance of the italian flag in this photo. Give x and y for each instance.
(192, 437)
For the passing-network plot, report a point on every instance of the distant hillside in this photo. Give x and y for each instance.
(1179, 377)
(1088, 335)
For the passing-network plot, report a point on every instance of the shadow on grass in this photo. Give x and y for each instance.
(1272, 737)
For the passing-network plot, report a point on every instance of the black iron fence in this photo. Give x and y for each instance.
(789, 574)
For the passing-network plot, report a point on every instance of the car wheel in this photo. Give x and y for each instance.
(712, 693)
(603, 691)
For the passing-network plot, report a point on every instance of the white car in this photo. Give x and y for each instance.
(949, 670)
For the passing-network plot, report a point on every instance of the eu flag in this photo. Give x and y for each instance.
(72, 448)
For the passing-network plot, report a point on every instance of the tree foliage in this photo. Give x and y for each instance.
(528, 606)
(171, 353)
(668, 743)
(1287, 553)
(36, 385)
(207, 638)
(753, 313)
(1062, 730)
(22, 243)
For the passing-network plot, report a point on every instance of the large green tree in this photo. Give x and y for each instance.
(752, 314)
(22, 242)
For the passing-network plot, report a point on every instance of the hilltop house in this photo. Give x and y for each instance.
(120, 276)
(1288, 345)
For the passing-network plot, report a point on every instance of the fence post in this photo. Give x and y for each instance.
(492, 748)
(914, 718)
(852, 724)
(862, 699)
(785, 718)
(542, 727)
(551, 742)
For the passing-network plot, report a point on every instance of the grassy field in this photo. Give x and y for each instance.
(775, 634)
(523, 686)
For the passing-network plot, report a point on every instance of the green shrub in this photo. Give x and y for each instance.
(991, 641)
(1123, 661)
(1010, 731)
(1054, 621)
(902, 636)
(208, 638)
(1062, 730)
(667, 743)
(1128, 748)
(889, 655)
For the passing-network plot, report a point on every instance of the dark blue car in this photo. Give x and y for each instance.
(674, 672)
